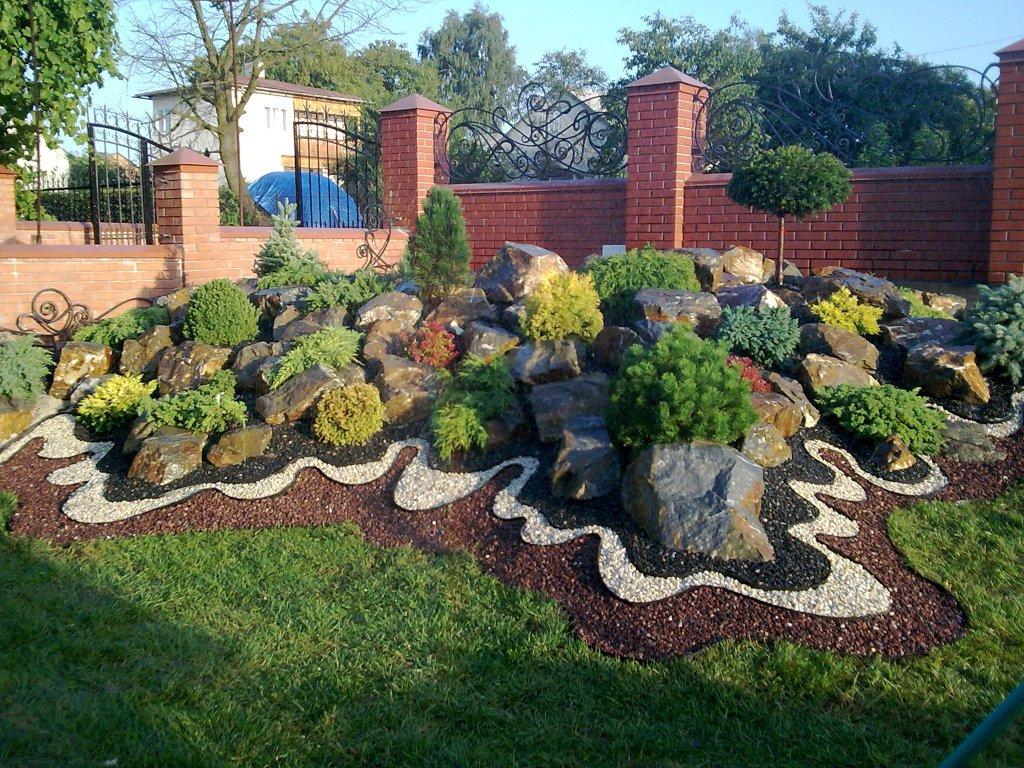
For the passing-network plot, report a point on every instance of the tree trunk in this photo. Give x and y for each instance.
(782, 242)
(229, 157)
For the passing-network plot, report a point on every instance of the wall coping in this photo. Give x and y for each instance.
(865, 174)
(302, 233)
(131, 252)
(497, 188)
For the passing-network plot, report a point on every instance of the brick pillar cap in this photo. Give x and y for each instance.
(6, 172)
(414, 101)
(1012, 51)
(186, 156)
(666, 76)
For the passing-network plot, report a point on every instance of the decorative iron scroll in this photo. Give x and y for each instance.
(55, 316)
(549, 136)
(934, 114)
(376, 238)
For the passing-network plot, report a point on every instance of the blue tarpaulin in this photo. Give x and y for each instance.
(324, 203)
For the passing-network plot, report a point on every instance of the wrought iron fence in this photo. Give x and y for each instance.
(549, 135)
(900, 113)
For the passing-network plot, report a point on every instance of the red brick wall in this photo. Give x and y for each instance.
(80, 233)
(911, 223)
(572, 218)
(1007, 229)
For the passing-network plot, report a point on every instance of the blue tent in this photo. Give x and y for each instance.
(324, 203)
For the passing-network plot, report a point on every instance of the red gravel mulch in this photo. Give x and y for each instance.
(923, 615)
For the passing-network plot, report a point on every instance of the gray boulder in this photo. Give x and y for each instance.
(749, 296)
(516, 270)
(699, 497)
(296, 397)
(876, 291)
(700, 311)
(511, 317)
(825, 339)
(165, 458)
(541, 362)
(248, 360)
(240, 444)
(609, 348)
(708, 265)
(329, 317)
(484, 340)
(400, 308)
(408, 389)
(555, 404)
(463, 307)
(968, 441)
(587, 465)
(188, 365)
(910, 332)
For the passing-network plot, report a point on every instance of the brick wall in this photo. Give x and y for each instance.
(80, 233)
(572, 218)
(1007, 228)
(97, 276)
(911, 223)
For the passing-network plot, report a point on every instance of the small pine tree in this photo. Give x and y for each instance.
(438, 255)
(282, 247)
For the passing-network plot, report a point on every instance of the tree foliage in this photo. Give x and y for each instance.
(567, 71)
(438, 256)
(791, 181)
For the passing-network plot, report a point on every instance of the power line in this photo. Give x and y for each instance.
(973, 45)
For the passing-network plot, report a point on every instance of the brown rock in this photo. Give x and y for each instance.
(15, 416)
(167, 458)
(483, 340)
(463, 307)
(80, 360)
(188, 365)
(949, 303)
(746, 264)
(408, 389)
(516, 270)
(765, 446)
(779, 411)
(826, 339)
(820, 371)
(557, 403)
(240, 444)
(293, 399)
(541, 362)
(700, 311)
(942, 371)
(402, 309)
(610, 346)
(141, 356)
(793, 392)
(910, 332)
(894, 455)
(250, 358)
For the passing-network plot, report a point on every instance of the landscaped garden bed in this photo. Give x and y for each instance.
(673, 446)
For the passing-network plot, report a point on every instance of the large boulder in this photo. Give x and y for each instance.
(484, 340)
(949, 303)
(400, 308)
(825, 339)
(779, 411)
(141, 356)
(240, 444)
(516, 270)
(80, 360)
(386, 337)
(793, 392)
(296, 397)
(765, 446)
(587, 465)
(754, 295)
(968, 441)
(283, 319)
(708, 265)
(942, 371)
(743, 263)
(408, 389)
(699, 497)
(15, 416)
(541, 362)
(876, 291)
(165, 458)
(609, 348)
(555, 404)
(188, 365)
(700, 311)
(250, 358)
(910, 332)
(272, 301)
(329, 317)
(820, 371)
(462, 307)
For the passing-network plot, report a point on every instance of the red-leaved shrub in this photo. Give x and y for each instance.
(750, 372)
(432, 344)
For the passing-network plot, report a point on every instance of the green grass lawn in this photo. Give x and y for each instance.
(314, 648)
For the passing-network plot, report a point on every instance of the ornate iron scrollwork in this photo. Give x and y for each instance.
(376, 238)
(54, 316)
(549, 136)
(826, 109)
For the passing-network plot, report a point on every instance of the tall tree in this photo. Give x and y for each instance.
(474, 60)
(568, 70)
(200, 45)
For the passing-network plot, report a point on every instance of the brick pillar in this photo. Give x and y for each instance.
(407, 156)
(8, 214)
(188, 212)
(662, 111)
(1006, 233)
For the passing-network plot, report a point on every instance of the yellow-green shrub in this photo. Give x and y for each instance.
(114, 402)
(844, 310)
(564, 306)
(349, 415)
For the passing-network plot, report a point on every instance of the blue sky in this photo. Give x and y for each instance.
(946, 31)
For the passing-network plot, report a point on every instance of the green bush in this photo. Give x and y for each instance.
(877, 413)
(438, 255)
(114, 331)
(350, 292)
(209, 408)
(679, 390)
(457, 427)
(282, 247)
(844, 310)
(8, 506)
(790, 181)
(220, 313)
(349, 415)
(766, 335)
(919, 309)
(995, 325)
(617, 278)
(308, 272)
(480, 390)
(23, 367)
(113, 403)
(333, 347)
(564, 306)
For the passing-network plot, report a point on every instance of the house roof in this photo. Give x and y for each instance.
(266, 84)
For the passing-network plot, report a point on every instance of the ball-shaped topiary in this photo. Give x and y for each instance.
(349, 415)
(995, 325)
(564, 306)
(679, 390)
(768, 335)
(220, 313)
(790, 181)
(618, 277)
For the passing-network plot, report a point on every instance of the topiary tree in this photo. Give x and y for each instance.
(790, 181)
(438, 254)
(220, 313)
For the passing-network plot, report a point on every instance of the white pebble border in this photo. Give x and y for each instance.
(849, 591)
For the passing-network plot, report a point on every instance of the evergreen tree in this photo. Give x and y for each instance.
(438, 255)
(282, 247)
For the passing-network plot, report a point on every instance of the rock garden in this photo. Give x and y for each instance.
(679, 446)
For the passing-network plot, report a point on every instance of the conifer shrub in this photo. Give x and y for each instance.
(210, 408)
(877, 413)
(844, 310)
(113, 403)
(337, 289)
(457, 428)
(282, 253)
(220, 313)
(438, 255)
(307, 272)
(333, 347)
(115, 331)
(618, 277)
(432, 344)
(564, 306)
(768, 335)
(480, 390)
(8, 506)
(23, 368)
(679, 390)
(349, 415)
(995, 326)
